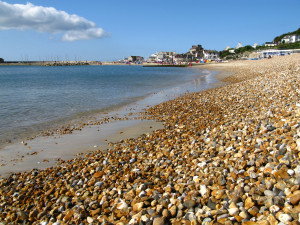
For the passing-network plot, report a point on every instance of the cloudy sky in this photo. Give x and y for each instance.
(112, 30)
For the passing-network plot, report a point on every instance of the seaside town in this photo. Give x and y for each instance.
(227, 155)
(197, 54)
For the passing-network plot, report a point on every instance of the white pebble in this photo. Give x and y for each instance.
(285, 218)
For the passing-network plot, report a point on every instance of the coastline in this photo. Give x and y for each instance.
(100, 129)
(227, 155)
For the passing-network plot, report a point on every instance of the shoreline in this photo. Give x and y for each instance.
(226, 155)
(14, 132)
(63, 142)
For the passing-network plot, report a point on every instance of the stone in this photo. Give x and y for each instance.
(294, 199)
(189, 204)
(90, 219)
(159, 221)
(249, 203)
(285, 218)
(138, 206)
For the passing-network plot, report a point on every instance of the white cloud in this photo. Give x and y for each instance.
(48, 19)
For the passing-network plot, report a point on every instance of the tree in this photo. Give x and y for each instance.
(1, 60)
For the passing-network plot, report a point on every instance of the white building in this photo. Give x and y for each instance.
(211, 54)
(290, 38)
(162, 56)
(270, 44)
(276, 52)
(239, 45)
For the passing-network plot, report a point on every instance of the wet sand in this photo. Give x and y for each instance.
(44, 152)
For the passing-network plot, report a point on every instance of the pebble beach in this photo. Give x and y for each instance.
(228, 155)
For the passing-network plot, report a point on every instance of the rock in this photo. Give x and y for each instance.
(98, 174)
(285, 218)
(189, 204)
(274, 209)
(159, 221)
(138, 206)
(211, 204)
(253, 211)
(249, 203)
(90, 219)
(233, 211)
(203, 190)
(294, 199)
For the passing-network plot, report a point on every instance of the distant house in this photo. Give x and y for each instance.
(162, 57)
(270, 44)
(197, 51)
(290, 38)
(135, 59)
(152, 58)
(179, 58)
(211, 54)
(275, 52)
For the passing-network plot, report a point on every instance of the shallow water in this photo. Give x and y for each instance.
(35, 98)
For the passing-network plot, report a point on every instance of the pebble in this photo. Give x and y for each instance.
(228, 155)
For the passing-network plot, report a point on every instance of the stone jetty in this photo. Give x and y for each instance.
(228, 155)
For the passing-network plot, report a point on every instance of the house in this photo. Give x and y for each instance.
(275, 52)
(211, 54)
(152, 58)
(290, 38)
(196, 51)
(135, 59)
(162, 57)
(270, 44)
(179, 58)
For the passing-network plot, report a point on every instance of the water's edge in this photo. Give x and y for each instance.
(134, 105)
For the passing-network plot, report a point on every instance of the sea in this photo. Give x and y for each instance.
(37, 98)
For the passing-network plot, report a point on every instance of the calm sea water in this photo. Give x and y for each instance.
(34, 98)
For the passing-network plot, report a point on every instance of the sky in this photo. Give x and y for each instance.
(105, 30)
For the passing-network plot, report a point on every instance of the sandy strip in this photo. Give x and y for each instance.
(44, 152)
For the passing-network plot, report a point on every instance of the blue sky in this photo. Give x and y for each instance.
(112, 30)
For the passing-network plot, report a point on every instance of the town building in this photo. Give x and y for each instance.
(290, 38)
(270, 44)
(211, 55)
(197, 52)
(134, 59)
(179, 58)
(272, 52)
(160, 57)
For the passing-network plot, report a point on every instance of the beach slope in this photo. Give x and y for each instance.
(228, 155)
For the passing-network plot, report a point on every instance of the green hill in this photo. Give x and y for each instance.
(278, 38)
